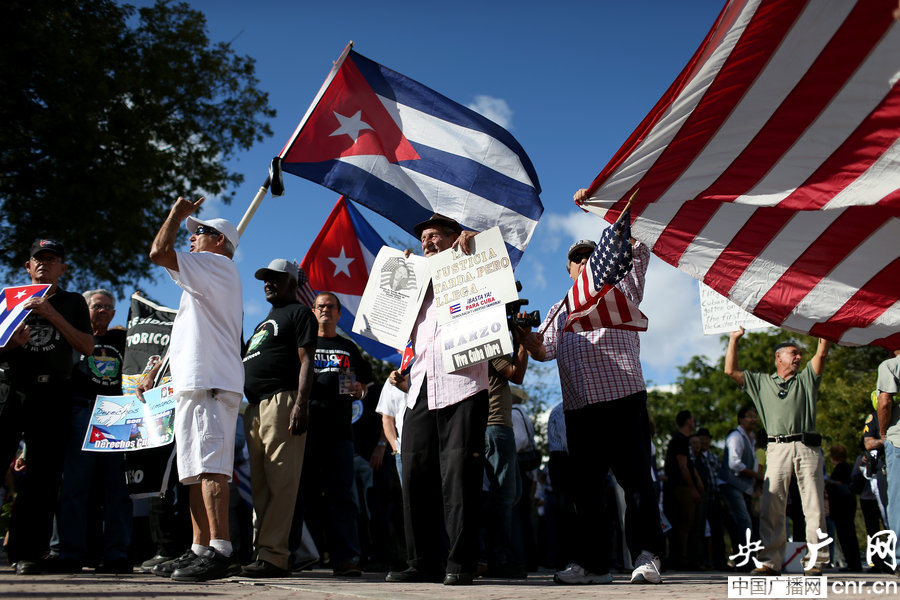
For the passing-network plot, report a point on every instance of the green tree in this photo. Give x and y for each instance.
(713, 398)
(107, 118)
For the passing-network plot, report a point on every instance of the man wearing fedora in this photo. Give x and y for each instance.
(278, 371)
(443, 441)
(208, 377)
(786, 403)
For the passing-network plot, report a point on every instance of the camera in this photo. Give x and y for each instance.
(532, 319)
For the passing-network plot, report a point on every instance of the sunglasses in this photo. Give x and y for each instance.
(206, 230)
(576, 257)
(782, 393)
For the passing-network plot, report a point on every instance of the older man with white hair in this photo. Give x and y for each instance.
(208, 377)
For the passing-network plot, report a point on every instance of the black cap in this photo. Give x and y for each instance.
(44, 245)
(787, 344)
(703, 431)
(437, 220)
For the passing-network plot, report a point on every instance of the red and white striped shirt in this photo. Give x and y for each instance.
(602, 364)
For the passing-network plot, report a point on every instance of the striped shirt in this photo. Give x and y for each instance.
(602, 364)
(444, 388)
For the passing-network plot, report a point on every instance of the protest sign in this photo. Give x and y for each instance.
(721, 315)
(478, 337)
(389, 305)
(124, 423)
(467, 283)
(149, 330)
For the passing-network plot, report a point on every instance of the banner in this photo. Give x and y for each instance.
(149, 330)
(124, 423)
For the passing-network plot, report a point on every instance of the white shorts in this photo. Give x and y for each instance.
(205, 423)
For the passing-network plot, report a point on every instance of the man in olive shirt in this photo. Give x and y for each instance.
(786, 403)
(889, 417)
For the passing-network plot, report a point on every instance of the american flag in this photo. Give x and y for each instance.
(770, 169)
(594, 301)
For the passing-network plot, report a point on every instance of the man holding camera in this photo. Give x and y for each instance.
(786, 403)
(607, 427)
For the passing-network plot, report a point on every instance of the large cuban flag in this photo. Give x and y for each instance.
(12, 313)
(405, 151)
(339, 261)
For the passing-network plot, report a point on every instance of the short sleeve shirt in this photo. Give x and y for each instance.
(47, 351)
(100, 373)
(500, 394)
(330, 411)
(205, 349)
(793, 414)
(888, 381)
(271, 361)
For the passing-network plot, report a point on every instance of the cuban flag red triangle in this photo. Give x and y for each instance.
(350, 120)
(335, 261)
(16, 295)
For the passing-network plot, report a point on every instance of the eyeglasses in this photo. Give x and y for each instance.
(206, 230)
(47, 260)
(782, 393)
(577, 257)
(322, 307)
(102, 306)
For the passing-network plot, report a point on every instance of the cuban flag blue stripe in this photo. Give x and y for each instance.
(476, 177)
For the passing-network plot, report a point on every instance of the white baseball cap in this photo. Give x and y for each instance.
(221, 225)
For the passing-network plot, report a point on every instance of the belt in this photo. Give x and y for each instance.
(783, 439)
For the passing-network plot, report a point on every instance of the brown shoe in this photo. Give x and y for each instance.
(813, 572)
(765, 570)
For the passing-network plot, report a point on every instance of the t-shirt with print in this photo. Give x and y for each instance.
(47, 352)
(330, 412)
(271, 361)
(100, 373)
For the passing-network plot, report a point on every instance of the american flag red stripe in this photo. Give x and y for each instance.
(770, 169)
(614, 311)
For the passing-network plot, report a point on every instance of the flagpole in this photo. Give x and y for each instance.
(264, 188)
(561, 304)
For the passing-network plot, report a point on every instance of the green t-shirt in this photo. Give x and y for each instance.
(796, 412)
(888, 379)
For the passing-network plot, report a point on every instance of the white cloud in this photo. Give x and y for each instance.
(573, 226)
(495, 109)
(675, 334)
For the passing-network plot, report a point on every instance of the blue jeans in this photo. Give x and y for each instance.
(892, 455)
(79, 471)
(736, 500)
(506, 488)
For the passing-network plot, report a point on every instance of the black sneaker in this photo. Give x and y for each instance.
(263, 568)
(165, 569)
(414, 575)
(148, 564)
(209, 566)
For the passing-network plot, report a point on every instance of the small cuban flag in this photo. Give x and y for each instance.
(455, 308)
(12, 311)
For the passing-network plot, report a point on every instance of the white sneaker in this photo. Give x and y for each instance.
(575, 575)
(646, 569)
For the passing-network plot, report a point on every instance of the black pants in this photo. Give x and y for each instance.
(612, 435)
(443, 459)
(46, 420)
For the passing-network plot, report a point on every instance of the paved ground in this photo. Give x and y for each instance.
(320, 584)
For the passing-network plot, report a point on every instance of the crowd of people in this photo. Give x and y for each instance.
(431, 476)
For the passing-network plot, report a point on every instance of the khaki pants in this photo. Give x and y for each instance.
(782, 461)
(276, 461)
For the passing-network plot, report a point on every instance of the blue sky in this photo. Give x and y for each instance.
(570, 80)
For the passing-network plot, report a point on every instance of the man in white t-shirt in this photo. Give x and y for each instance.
(208, 377)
